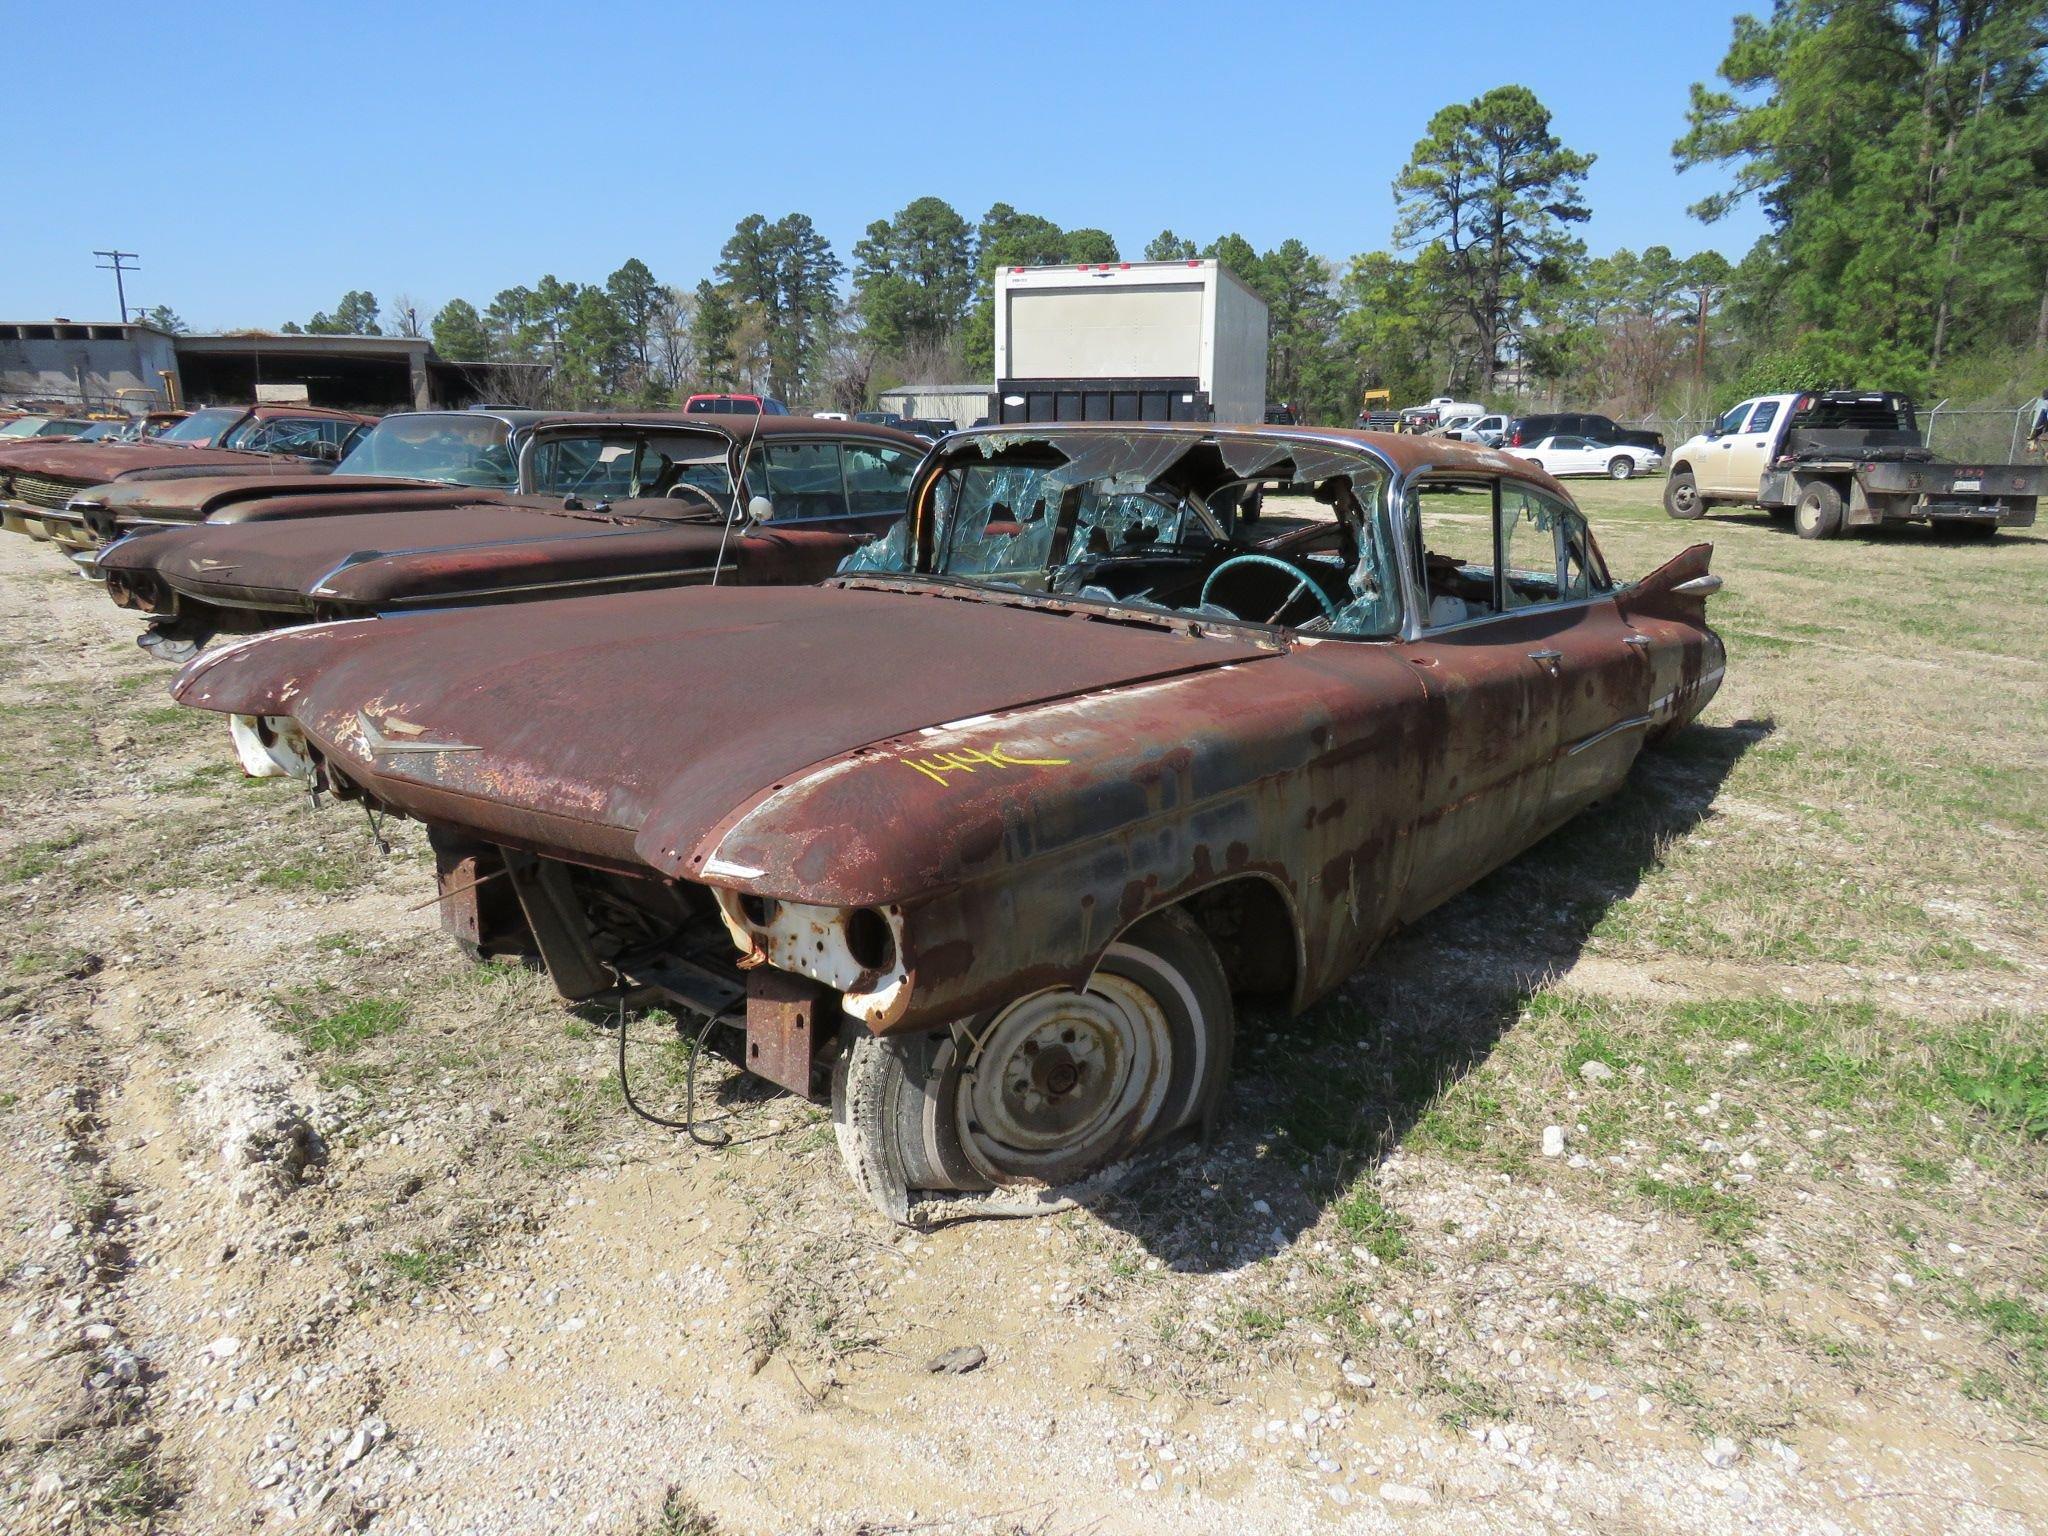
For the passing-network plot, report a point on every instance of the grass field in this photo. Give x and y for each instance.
(1781, 1004)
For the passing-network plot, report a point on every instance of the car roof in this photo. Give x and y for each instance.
(328, 412)
(740, 426)
(1409, 452)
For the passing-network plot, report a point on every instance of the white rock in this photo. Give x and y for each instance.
(1402, 1493)
(224, 1347)
(1721, 1452)
(498, 1358)
(1553, 1141)
(1595, 1071)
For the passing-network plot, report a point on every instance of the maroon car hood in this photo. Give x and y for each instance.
(371, 558)
(97, 463)
(625, 727)
(192, 498)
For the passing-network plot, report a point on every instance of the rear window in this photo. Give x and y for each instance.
(727, 405)
(1862, 413)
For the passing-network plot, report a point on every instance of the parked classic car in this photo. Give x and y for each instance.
(1568, 454)
(981, 838)
(33, 428)
(605, 504)
(38, 480)
(407, 460)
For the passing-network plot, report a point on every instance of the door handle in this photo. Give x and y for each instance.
(1546, 656)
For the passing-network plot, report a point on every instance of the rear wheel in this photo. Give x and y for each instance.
(1975, 529)
(1682, 496)
(1818, 514)
(1050, 1089)
(1621, 467)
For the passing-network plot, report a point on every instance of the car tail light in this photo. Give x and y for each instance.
(1515, 438)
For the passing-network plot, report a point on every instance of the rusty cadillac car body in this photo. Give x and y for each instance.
(605, 504)
(38, 481)
(989, 831)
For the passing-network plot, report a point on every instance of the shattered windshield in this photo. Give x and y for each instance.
(686, 468)
(1148, 520)
(464, 449)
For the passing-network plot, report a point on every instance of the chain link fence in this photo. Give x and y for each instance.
(1994, 435)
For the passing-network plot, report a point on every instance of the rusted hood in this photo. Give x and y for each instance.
(628, 728)
(370, 559)
(97, 463)
(194, 498)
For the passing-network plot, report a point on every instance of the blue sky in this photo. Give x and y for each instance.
(264, 159)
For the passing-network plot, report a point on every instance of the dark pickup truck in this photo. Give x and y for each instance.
(1835, 459)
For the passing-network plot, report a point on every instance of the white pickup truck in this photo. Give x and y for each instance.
(1836, 459)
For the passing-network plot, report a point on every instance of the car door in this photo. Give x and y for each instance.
(1749, 451)
(877, 483)
(1716, 470)
(1489, 678)
(1599, 665)
(1574, 456)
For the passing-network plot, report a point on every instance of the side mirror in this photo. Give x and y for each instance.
(760, 509)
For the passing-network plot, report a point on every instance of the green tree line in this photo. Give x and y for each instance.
(1898, 150)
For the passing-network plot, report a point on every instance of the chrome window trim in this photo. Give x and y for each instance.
(1419, 630)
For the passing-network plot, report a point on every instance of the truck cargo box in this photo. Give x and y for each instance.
(1129, 341)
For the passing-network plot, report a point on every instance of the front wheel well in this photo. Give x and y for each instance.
(1252, 928)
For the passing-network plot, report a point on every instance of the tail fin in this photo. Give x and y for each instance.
(1677, 589)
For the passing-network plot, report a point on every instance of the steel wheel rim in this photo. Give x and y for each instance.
(1063, 1082)
(1682, 497)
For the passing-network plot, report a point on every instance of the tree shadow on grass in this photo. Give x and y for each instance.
(1322, 1098)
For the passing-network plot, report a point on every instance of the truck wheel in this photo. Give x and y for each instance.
(1682, 496)
(1052, 1088)
(1976, 529)
(1819, 512)
(1249, 509)
(1621, 467)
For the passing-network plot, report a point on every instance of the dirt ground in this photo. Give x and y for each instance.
(1688, 1175)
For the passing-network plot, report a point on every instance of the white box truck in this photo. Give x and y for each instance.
(1128, 341)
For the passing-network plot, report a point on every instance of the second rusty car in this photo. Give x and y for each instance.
(39, 480)
(983, 839)
(616, 503)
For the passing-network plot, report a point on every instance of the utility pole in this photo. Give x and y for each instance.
(115, 263)
(1699, 358)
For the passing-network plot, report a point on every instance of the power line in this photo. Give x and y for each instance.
(115, 264)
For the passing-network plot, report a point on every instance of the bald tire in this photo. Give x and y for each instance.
(897, 1101)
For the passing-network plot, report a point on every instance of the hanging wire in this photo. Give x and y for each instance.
(688, 1124)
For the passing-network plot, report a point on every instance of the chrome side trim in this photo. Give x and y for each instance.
(1634, 723)
(677, 578)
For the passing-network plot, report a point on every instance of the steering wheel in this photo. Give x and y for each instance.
(1303, 585)
(682, 490)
